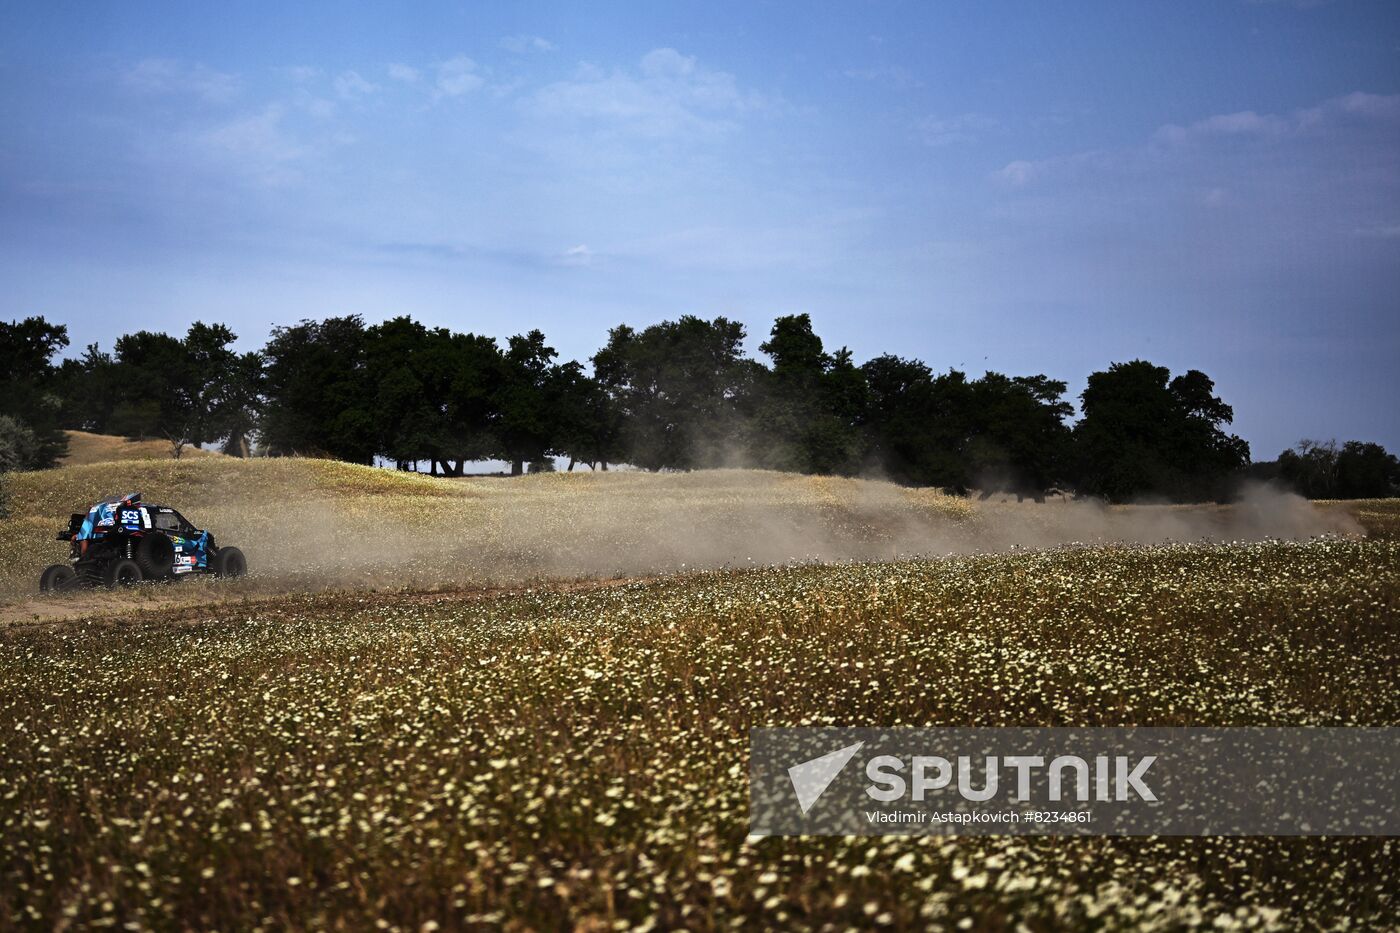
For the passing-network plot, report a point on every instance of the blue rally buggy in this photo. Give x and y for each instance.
(122, 541)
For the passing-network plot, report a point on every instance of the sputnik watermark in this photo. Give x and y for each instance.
(886, 773)
(1246, 781)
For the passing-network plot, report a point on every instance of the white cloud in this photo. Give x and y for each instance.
(1379, 232)
(349, 85)
(166, 76)
(522, 44)
(1296, 4)
(256, 145)
(1243, 123)
(458, 76)
(1339, 121)
(1016, 173)
(404, 73)
(300, 73)
(961, 129)
(671, 94)
(891, 75)
(579, 255)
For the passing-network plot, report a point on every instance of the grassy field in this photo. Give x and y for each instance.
(574, 754)
(85, 447)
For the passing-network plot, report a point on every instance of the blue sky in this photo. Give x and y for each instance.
(1028, 187)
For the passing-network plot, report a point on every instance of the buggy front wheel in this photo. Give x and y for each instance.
(56, 578)
(230, 562)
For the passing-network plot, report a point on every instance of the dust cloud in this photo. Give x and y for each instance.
(303, 532)
(509, 531)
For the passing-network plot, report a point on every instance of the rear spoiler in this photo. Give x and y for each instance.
(75, 525)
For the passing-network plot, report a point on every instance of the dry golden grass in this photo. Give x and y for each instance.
(85, 447)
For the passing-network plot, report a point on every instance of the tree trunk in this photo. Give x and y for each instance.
(605, 466)
(517, 467)
(571, 465)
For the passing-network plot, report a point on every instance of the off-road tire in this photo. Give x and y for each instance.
(156, 555)
(230, 562)
(122, 572)
(57, 578)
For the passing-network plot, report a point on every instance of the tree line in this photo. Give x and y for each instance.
(680, 395)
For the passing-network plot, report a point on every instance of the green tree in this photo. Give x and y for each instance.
(90, 389)
(191, 392)
(1145, 433)
(810, 407)
(1019, 441)
(18, 451)
(590, 425)
(919, 424)
(242, 404)
(1366, 471)
(683, 389)
(1310, 468)
(410, 384)
(318, 394)
(1354, 470)
(30, 387)
(528, 423)
(432, 394)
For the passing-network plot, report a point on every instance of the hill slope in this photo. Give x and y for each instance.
(85, 447)
(312, 523)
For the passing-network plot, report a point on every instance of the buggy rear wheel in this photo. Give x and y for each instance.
(122, 573)
(57, 577)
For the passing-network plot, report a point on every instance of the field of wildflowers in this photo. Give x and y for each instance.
(576, 755)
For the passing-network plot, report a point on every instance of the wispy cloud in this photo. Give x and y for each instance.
(300, 73)
(1296, 4)
(523, 43)
(257, 146)
(1017, 173)
(1352, 119)
(349, 85)
(167, 76)
(579, 255)
(1379, 232)
(945, 131)
(895, 76)
(669, 94)
(458, 76)
(1242, 123)
(404, 73)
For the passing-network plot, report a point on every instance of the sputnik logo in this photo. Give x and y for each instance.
(810, 779)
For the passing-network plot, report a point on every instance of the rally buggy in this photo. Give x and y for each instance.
(121, 541)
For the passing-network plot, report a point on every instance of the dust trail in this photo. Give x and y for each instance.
(507, 531)
(306, 526)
